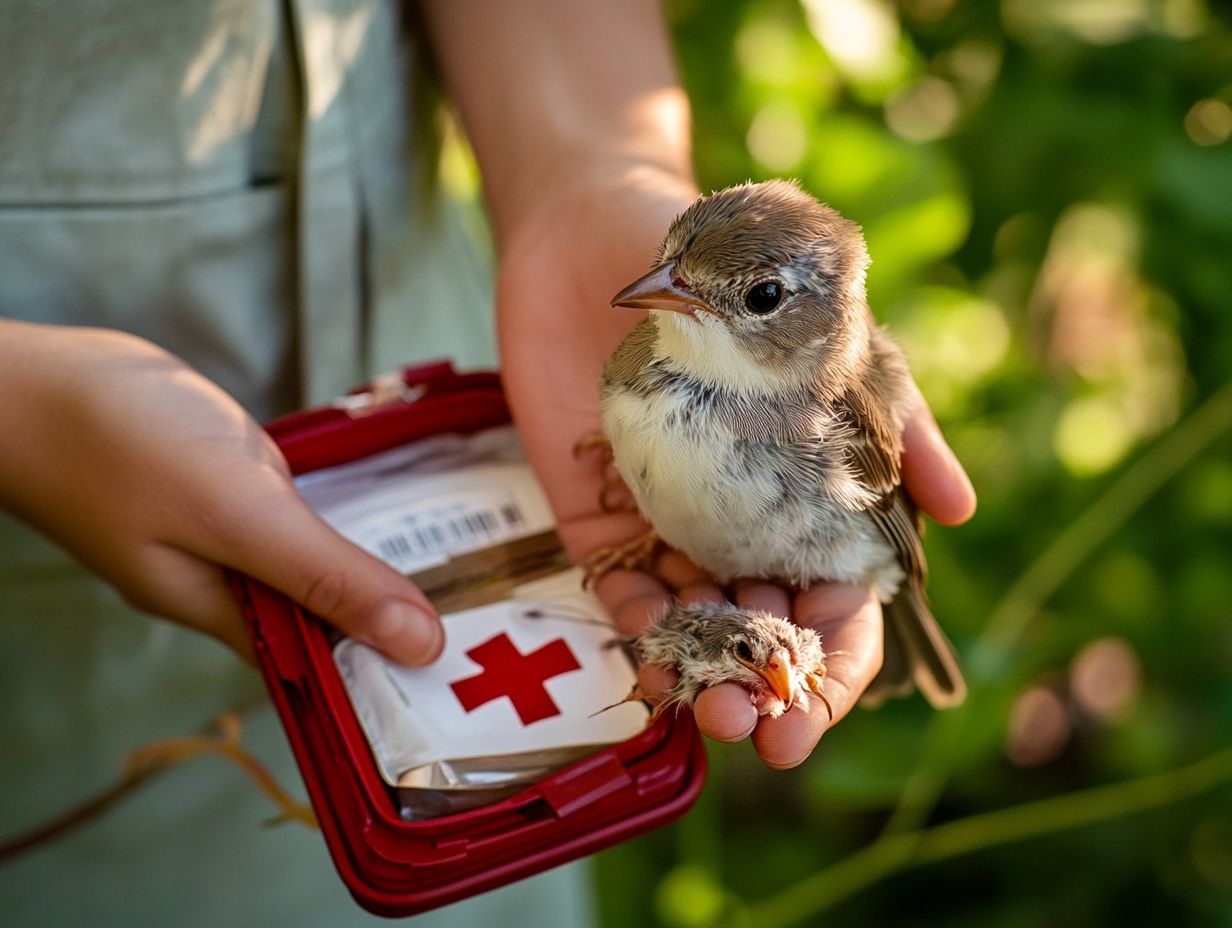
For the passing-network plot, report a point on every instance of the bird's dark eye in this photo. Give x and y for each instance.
(743, 651)
(764, 297)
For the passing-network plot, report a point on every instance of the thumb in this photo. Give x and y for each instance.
(292, 549)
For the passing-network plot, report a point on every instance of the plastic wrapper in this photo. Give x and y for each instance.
(533, 675)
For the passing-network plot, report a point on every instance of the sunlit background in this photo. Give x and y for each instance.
(1046, 189)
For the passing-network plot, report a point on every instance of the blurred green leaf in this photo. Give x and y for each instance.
(1054, 250)
(689, 897)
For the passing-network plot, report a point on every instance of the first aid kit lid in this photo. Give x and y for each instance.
(397, 867)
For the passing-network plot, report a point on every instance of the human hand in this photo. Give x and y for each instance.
(557, 277)
(158, 481)
(847, 617)
(580, 192)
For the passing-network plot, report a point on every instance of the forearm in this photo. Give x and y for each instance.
(36, 364)
(21, 347)
(157, 480)
(550, 88)
(55, 415)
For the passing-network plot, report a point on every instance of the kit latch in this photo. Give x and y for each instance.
(384, 390)
(586, 782)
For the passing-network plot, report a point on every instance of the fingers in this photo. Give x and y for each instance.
(932, 473)
(633, 599)
(285, 544)
(725, 712)
(701, 593)
(787, 741)
(847, 616)
(654, 679)
(186, 589)
(678, 572)
(827, 605)
(849, 620)
(758, 594)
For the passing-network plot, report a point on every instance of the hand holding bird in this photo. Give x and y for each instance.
(778, 662)
(586, 241)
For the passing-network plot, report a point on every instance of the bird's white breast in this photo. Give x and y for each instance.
(678, 465)
(734, 510)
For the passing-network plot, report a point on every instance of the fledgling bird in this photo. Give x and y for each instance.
(757, 415)
(778, 662)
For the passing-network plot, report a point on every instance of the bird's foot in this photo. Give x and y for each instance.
(614, 496)
(814, 682)
(638, 554)
(594, 441)
(635, 695)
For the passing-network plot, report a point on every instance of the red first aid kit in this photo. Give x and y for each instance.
(397, 867)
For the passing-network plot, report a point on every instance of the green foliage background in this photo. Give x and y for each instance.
(1046, 188)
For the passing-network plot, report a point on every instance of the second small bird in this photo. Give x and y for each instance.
(757, 414)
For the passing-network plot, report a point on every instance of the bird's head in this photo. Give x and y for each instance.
(769, 656)
(762, 274)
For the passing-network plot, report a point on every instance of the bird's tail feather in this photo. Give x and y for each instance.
(917, 651)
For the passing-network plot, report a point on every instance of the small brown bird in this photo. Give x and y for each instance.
(757, 415)
(778, 662)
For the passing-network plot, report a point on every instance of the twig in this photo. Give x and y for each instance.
(78, 815)
(1096, 525)
(149, 761)
(1056, 564)
(892, 853)
(163, 755)
(902, 844)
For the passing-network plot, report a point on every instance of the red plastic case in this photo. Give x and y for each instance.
(393, 867)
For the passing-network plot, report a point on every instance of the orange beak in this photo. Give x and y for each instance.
(659, 290)
(777, 674)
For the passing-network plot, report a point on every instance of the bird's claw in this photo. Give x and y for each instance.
(638, 554)
(593, 441)
(614, 496)
(814, 681)
(635, 695)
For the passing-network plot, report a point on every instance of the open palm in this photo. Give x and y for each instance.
(582, 243)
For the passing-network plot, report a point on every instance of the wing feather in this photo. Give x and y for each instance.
(874, 454)
(917, 650)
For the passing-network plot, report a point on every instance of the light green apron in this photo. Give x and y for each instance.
(227, 178)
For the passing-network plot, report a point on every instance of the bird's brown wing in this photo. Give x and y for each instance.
(916, 649)
(875, 450)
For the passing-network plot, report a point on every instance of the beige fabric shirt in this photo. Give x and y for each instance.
(224, 177)
(227, 178)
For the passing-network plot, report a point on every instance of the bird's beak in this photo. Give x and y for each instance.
(659, 290)
(777, 674)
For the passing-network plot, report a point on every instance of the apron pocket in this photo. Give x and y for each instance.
(210, 279)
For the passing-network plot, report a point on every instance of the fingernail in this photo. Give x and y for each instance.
(786, 766)
(732, 739)
(956, 468)
(405, 632)
(964, 480)
(942, 447)
(958, 473)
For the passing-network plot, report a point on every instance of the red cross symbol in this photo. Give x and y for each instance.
(509, 672)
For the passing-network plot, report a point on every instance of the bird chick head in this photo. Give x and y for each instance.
(763, 268)
(777, 661)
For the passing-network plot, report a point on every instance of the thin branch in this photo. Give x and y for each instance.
(1046, 574)
(148, 762)
(78, 815)
(164, 755)
(894, 853)
(1097, 524)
